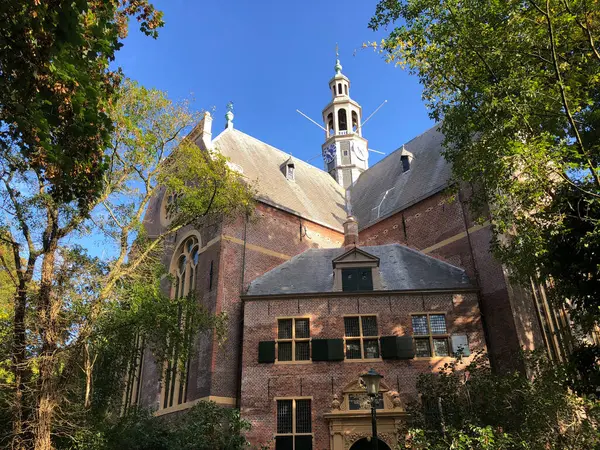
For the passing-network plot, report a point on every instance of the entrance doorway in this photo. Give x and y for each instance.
(366, 444)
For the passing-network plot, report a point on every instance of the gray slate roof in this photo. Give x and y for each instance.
(314, 194)
(401, 268)
(384, 185)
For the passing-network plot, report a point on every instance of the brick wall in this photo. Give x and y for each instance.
(272, 237)
(442, 227)
(262, 383)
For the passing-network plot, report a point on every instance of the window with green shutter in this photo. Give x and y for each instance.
(293, 339)
(361, 337)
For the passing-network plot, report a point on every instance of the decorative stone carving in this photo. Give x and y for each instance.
(351, 438)
(335, 403)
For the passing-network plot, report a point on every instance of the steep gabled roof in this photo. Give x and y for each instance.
(385, 189)
(401, 268)
(313, 195)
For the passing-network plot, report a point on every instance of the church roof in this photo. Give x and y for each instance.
(313, 194)
(385, 189)
(401, 268)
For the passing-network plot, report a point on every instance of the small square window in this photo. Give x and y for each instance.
(302, 328)
(422, 349)
(351, 326)
(371, 348)
(440, 347)
(353, 349)
(419, 324)
(285, 329)
(284, 351)
(302, 351)
(369, 325)
(438, 324)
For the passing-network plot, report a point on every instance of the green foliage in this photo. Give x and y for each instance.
(205, 426)
(56, 85)
(516, 85)
(475, 409)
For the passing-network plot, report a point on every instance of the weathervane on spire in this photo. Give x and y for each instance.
(338, 66)
(229, 115)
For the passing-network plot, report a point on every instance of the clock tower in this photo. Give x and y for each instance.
(345, 151)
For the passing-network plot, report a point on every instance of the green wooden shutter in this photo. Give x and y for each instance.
(266, 352)
(405, 348)
(365, 279)
(388, 347)
(336, 350)
(327, 349)
(397, 347)
(319, 349)
(304, 443)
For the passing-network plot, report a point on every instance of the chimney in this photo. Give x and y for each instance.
(350, 232)
(201, 135)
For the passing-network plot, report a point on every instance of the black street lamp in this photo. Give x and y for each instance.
(371, 380)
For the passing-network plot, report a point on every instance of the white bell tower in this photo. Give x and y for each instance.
(345, 151)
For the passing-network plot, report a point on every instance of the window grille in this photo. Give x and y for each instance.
(294, 425)
(293, 339)
(431, 335)
(361, 337)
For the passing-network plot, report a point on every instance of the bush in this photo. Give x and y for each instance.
(475, 409)
(205, 426)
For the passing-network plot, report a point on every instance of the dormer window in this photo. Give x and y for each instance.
(356, 271)
(290, 172)
(405, 163)
(288, 169)
(357, 279)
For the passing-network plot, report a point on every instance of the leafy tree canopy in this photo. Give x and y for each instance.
(516, 86)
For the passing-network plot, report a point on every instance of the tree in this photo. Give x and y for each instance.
(516, 87)
(56, 84)
(474, 409)
(80, 298)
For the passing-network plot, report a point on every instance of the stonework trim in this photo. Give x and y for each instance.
(255, 248)
(261, 297)
(456, 237)
(223, 401)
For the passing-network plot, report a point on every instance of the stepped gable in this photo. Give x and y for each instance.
(401, 268)
(386, 188)
(312, 194)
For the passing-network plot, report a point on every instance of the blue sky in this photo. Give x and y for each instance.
(271, 58)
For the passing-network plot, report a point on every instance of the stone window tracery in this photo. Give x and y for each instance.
(184, 270)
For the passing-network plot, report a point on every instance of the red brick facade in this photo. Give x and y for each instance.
(263, 383)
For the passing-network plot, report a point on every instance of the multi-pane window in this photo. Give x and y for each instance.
(431, 335)
(294, 425)
(293, 339)
(174, 389)
(361, 337)
(357, 279)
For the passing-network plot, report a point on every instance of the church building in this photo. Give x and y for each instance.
(339, 270)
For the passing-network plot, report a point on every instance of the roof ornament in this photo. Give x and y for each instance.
(338, 66)
(229, 116)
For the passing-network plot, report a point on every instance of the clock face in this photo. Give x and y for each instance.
(360, 151)
(329, 153)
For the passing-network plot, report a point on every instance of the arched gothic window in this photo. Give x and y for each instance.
(346, 89)
(340, 88)
(342, 120)
(354, 121)
(330, 124)
(185, 270)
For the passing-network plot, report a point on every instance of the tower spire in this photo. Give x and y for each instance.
(338, 65)
(229, 115)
